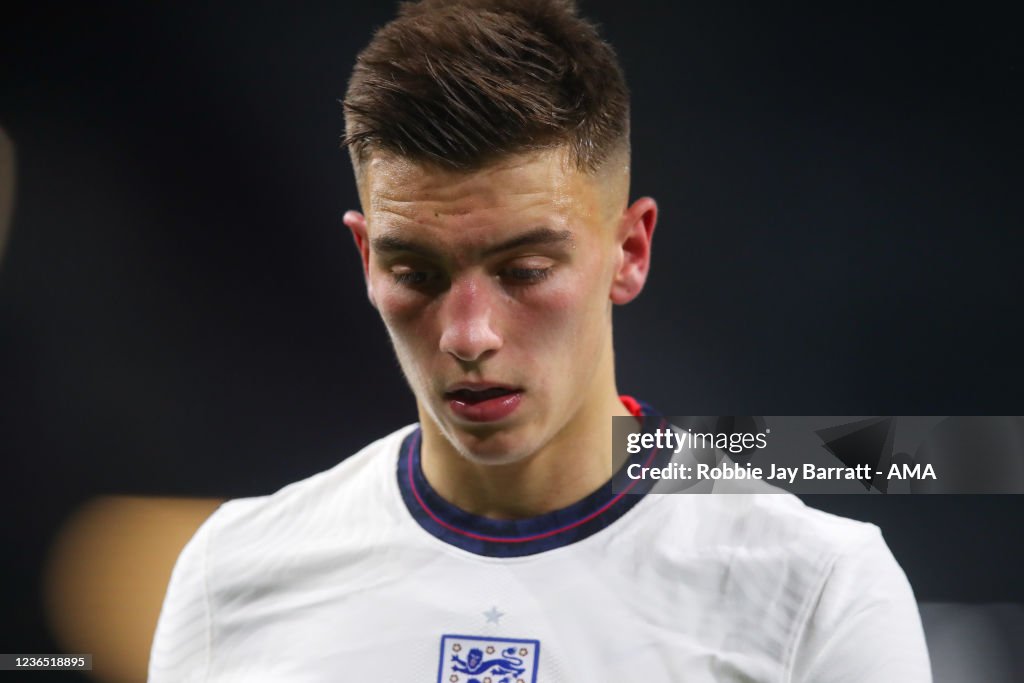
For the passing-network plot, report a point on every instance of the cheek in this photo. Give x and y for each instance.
(564, 318)
(400, 307)
(409, 324)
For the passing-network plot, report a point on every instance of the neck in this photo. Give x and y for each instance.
(571, 465)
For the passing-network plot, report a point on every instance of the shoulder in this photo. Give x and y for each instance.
(255, 545)
(315, 505)
(861, 623)
(761, 517)
(826, 588)
(266, 536)
(769, 552)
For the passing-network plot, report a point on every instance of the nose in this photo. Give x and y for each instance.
(468, 317)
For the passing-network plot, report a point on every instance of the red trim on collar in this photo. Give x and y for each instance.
(632, 405)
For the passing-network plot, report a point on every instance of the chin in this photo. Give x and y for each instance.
(495, 447)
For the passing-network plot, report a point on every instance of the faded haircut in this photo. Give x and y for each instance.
(462, 83)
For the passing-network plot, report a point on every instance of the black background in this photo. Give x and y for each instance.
(182, 311)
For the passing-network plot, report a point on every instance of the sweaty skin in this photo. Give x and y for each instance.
(505, 277)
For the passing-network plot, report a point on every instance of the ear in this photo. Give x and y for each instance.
(356, 222)
(634, 239)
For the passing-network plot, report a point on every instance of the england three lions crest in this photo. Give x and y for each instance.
(479, 659)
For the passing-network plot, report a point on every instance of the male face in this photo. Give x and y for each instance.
(496, 289)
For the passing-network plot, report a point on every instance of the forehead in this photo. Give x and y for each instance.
(521, 191)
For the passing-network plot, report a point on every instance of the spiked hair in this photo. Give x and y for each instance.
(460, 83)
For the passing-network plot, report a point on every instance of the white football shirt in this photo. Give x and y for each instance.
(363, 573)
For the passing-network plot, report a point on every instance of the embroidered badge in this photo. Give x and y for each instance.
(479, 659)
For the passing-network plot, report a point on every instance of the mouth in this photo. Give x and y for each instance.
(483, 402)
(473, 396)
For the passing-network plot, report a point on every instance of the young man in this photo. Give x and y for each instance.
(485, 543)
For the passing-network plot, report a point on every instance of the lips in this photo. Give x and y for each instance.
(472, 396)
(481, 402)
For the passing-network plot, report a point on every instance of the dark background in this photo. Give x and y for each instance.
(182, 311)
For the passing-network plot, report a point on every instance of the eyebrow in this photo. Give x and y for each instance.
(392, 243)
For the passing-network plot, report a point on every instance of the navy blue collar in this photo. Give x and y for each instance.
(516, 538)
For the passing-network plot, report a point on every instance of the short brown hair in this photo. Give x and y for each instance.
(460, 83)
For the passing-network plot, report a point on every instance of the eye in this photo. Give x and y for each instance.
(415, 277)
(527, 275)
(527, 271)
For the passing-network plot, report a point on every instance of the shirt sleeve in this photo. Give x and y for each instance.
(181, 644)
(864, 626)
